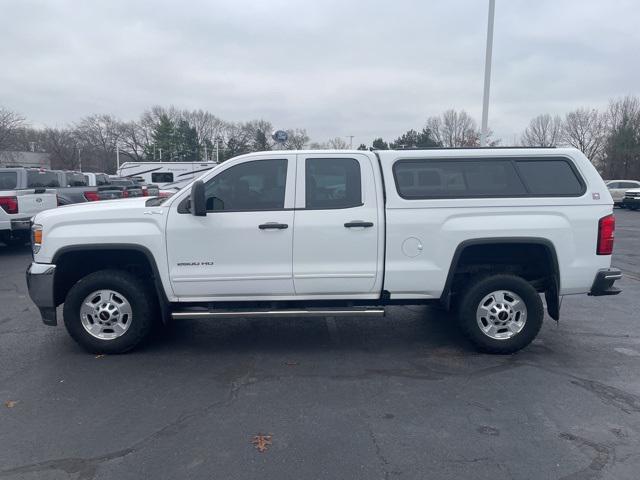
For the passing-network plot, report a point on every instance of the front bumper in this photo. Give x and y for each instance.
(40, 283)
(603, 283)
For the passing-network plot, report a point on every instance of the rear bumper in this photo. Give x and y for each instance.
(40, 283)
(603, 283)
(21, 223)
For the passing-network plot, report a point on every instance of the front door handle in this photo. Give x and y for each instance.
(358, 223)
(273, 225)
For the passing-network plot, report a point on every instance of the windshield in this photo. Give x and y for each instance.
(8, 180)
(42, 178)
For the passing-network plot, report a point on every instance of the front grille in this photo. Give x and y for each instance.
(632, 195)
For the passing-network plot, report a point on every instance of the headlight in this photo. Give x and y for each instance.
(36, 238)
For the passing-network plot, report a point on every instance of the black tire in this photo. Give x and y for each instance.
(139, 296)
(477, 290)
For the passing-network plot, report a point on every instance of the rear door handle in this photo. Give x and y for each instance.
(358, 223)
(273, 225)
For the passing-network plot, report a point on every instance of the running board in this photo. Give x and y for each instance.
(344, 312)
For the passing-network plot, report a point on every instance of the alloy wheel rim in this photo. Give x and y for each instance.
(501, 315)
(106, 314)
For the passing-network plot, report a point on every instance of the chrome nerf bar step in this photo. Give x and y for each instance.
(329, 312)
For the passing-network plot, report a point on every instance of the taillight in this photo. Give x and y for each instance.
(145, 192)
(606, 232)
(125, 193)
(9, 204)
(91, 196)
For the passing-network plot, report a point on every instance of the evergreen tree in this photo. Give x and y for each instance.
(185, 142)
(163, 137)
(413, 139)
(380, 144)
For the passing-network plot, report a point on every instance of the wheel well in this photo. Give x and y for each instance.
(534, 261)
(73, 265)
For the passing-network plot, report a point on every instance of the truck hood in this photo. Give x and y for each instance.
(125, 221)
(109, 209)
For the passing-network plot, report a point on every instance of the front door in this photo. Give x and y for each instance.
(242, 247)
(337, 251)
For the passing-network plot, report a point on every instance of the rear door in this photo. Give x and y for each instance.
(337, 225)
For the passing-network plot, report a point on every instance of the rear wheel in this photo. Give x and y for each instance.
(109, 311)
(501, 313)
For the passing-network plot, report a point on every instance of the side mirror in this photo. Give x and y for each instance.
(198, 200)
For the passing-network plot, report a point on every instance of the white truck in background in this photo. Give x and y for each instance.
(336, 233)
(166, 175)
(22, 195)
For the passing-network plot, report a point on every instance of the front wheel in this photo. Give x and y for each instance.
(109, 311)
(501, 313)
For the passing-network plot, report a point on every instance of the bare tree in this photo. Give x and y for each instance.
(298, 138)
(586, 130)
(133, 140)
(208, 127)
(543, 131)
(60, 144)
(98, 136)
(10, 124)
(337, 143)
(622, 150)
(454, 129)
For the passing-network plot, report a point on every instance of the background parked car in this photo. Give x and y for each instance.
(632, 199)
(129, 187)
(148, 189)
(97, 179)
(74, 188)
(618, 188)
(19, 202)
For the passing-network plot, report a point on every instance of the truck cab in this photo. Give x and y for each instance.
(336, 233)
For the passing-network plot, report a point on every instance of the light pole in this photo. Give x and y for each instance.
(487, 75)
(79, 159)
(350, 140)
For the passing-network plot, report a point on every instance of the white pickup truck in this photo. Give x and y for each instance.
(335, 233)
(22, 195)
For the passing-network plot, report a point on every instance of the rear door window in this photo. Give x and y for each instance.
(332, 183)
(8, 180)
(42, 178)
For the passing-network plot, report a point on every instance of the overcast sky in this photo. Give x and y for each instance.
(336, 68)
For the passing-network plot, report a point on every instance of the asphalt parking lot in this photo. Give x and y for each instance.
(399, 397)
